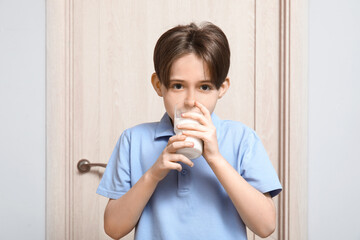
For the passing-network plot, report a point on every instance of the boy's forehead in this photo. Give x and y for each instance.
(189, 66)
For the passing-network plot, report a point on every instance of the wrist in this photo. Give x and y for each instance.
(151, 178)
(215, 159)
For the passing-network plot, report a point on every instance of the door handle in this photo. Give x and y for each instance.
(84, 165)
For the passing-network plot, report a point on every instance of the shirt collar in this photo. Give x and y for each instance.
(216, 121)
(166, 129)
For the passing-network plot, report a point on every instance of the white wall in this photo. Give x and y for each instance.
(22, 120)
(334, 118)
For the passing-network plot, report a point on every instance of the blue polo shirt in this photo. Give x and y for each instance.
(191, 204)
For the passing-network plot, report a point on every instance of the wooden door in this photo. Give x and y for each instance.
(99, 63)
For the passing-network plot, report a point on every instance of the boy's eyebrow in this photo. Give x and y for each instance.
(181, 80)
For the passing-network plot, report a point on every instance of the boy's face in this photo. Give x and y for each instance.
(189, 82)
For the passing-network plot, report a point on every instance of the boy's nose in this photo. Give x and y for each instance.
(190, 99)
(189, 103)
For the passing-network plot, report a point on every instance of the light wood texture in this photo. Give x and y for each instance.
(298, 118)
(57, 120)
(293, 123)
(267, 72)
(284, 117)
(99, 63)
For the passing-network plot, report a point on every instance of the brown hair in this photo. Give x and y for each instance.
(206, 41)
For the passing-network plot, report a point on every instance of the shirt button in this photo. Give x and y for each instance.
(184, 172)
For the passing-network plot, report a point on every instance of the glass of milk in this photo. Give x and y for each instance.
(197, 150)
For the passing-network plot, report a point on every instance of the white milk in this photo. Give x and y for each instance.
(195, 151)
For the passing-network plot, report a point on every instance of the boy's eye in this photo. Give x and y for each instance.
(205, 87)
(177, 86)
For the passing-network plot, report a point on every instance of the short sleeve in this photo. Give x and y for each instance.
(256, 167)
(116, 179)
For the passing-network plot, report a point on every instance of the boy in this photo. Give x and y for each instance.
(212, 197)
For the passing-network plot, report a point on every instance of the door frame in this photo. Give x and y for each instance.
(293, 118)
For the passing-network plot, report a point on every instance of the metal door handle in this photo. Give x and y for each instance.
(84, 165)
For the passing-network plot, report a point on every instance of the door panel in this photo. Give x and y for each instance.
(99, 64)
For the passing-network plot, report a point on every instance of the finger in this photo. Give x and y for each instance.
(196, 116)
(203, 109)
(182, 158)
(195, 134)
(173, 166)
(189, 126)
(173, 147)
(176, 138)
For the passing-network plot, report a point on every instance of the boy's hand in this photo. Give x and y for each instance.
(169, 159)
(206, 131)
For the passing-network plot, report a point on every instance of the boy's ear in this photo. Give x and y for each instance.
(156, 84)
(224, 87)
